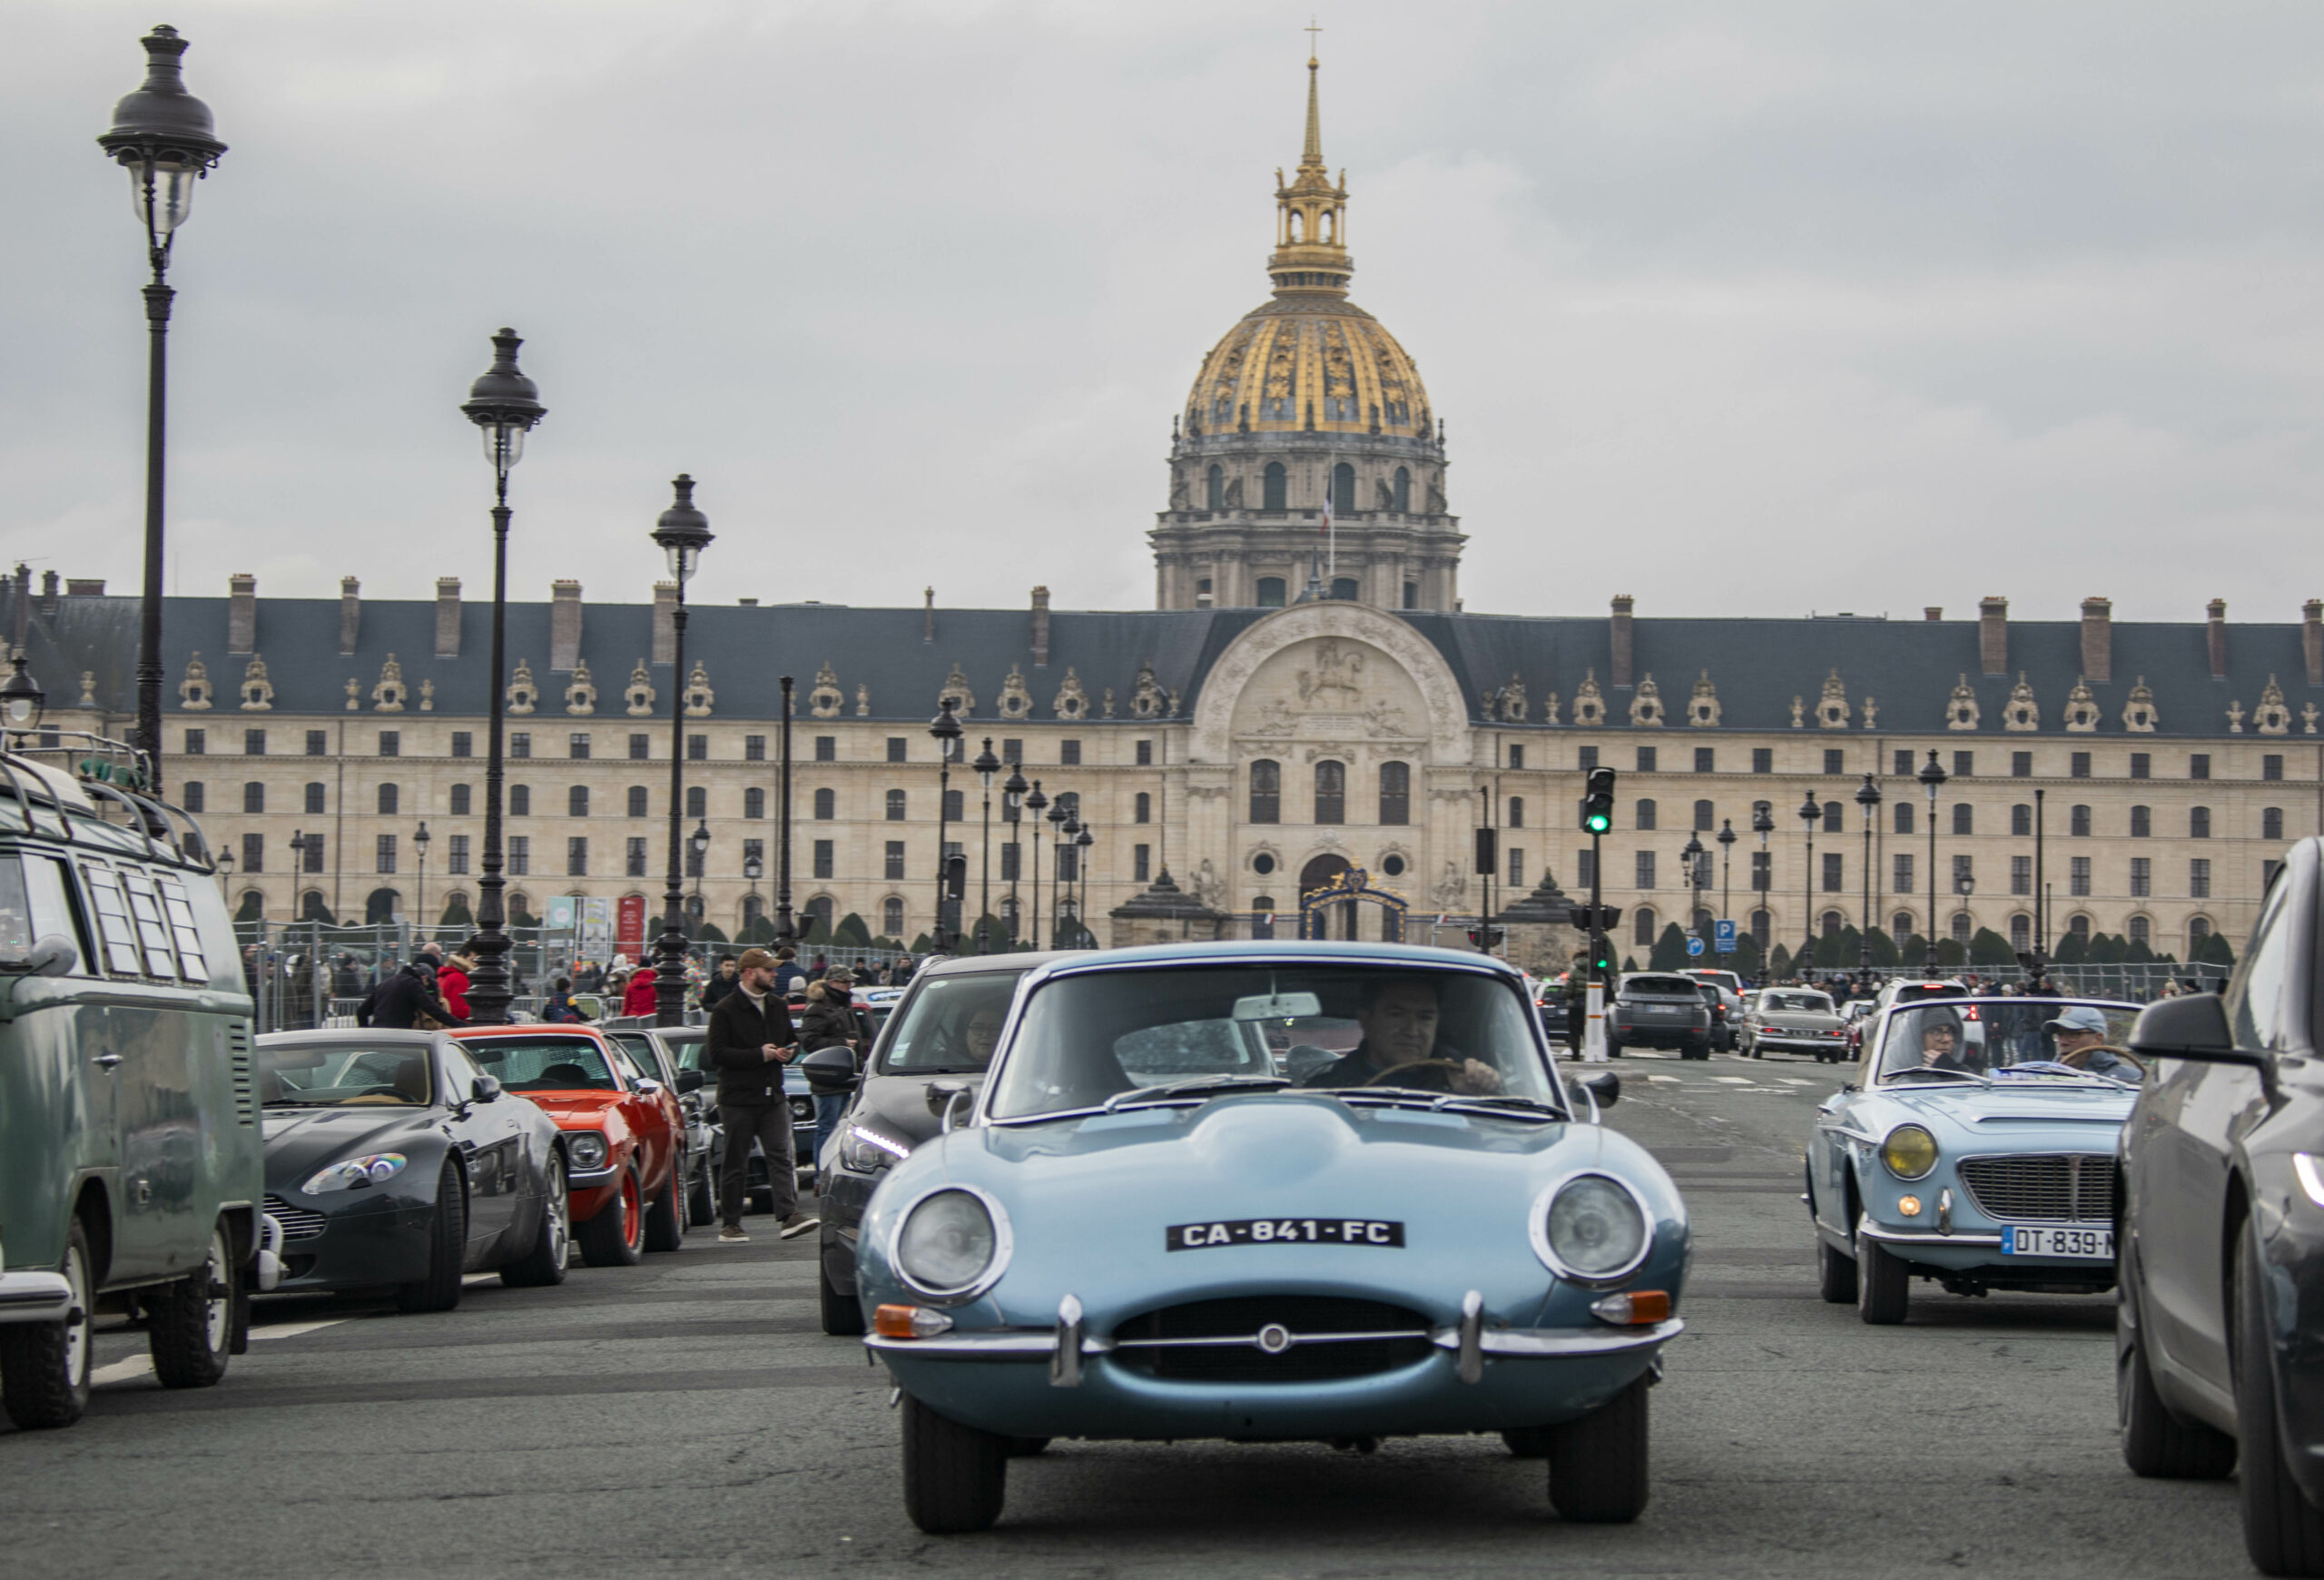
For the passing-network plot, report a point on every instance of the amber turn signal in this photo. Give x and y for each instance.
(909, 1322)
(1633, 1308)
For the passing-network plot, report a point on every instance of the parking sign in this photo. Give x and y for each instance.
(1723, 933)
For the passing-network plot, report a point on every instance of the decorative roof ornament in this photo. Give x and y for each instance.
(257, 692)
(523, 695)
(2308, 715)
(1798, 711)
(638, 699)
(2082, 708)
(1588, 702)
(1960, 710)
(388, 697)
(1147, 700)
(2234, 719)
(428, 696)
(698, 695)
(864, 702)
(1871, 712)
(1072, 701)
(194, 691)
(581, 697)
(1646, 704)
(354, 694)
(89, 693)
(956, 688)
(1832, 707)
(2272, 717)
(2022, 712)
(1702, 708)
(1512, 700)
(1016, 701)
(2138, 714)
(1551, 713)
(1107, 705)
(825, 700)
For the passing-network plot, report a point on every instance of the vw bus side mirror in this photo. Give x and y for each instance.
(52, 955)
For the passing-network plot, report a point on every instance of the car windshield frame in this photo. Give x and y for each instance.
(1982, 1018)
(1776, 1002)
(609, 1054)
(370, 1095)
(898, 1027)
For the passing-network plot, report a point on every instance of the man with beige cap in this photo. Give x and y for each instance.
(749, 1042)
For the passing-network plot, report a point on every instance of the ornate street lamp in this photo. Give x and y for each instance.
(1867, 795)
(946, 731)
(1693, 856)
(682, 533)
(786, 930)
(1964, 885)
(1810, 813)
(505, 405)
(225, 867)
(1932, 777)
(1726, 837)
(1763, 824)
(698, 848)
(988, 768)
(1082, 842)
(1059, 814)
(1012, 813)
(298, 861)
(419, 845)
(162, 136)
(1034, 803)
(22, 701)
(752, 870)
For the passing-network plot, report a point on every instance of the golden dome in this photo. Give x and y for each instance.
(1309, 360)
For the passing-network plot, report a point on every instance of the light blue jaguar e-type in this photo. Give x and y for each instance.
(1271, 1191)
(1975, 1149)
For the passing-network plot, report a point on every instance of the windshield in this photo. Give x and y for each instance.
(544, 1063)
(342, 1075)
(1980, 1037)
(952, 1024)
(1091, 1037)
(1795, 1005)
(1659, 987)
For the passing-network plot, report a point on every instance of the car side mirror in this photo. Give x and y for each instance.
(2191, 1027)
(830, 1071)
(484, 1089)
(648, 1086)
(941, 1094)
(689, 1081)
(958, 1108)
(1606, 1087)
(52, 955)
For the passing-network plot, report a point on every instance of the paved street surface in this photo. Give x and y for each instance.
(688, 1417)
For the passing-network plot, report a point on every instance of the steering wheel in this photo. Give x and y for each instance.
(1424, 1074)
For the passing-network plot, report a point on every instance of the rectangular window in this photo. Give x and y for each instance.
(1835, 873)
(1645, 870)
(2078, 876)
(1141, 857)
(895, 867)
(1585, 868)
(253, 742)
(821, 863)
(697, 748)
(1645, 759)
(1836, 760)
(460, 797)
(2021, 819)
(253, 854)
(520, 854)
(1965, 870)
(193, 796)
(1762, 871)
(2272, 765)
(1589, 758)
(2141, 877)
(634, 864)
(520, 743)
(1516, 756)
(1903, 764)
(384, 855)
(2021, 764)
(1900, 880)
(317, 743)
(2198, 878)
(1763, 759)
(1516, 868)
(827, 749)
(314, 853)
(456, 854)
(1964, 765)
(2142, 766)
(1706, 759)
(2141, 823)
(641, 747)
(578, 746)
(1011, 865)
(2079, 766)
(1965, 818)
(2021, 875)
(1069, 863)
(463, 744)
(576, 856)
(391, 743)
(754, 748)
(1012, 751)
(896, 744)
(1069, 752)
(197, 743)
(2198, 765)
(1144, 754)
(2078, 822)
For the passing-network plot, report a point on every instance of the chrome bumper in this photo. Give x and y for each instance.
(34, 1297)
(1871, 1231)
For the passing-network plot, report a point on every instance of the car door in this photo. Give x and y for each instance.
(2183, 1158)
(652, 1112)
(490, 1139)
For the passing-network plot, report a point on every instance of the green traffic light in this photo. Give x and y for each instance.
(1597, 823)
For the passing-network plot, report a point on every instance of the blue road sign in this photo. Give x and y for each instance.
(1694, 948)
(1723, 932)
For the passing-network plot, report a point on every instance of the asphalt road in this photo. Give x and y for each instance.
(688, 1417)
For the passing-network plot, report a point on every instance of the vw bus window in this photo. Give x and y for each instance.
(180, 911)
(112, 921)
(49, 894)
(146, 905)
(15, 912)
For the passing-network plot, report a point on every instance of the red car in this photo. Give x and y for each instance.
(625, 1134)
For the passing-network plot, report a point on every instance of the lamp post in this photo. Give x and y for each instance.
(1726, 837)
(786, 930)
(164, 137)
(2041, 880)
(698, 847)
(1810, 813)
(22, 702)
(1033, 804)
(1058, 816)
(1964, 885)
(752, 870)
(1932, 777)
(1867, 795)
(1012, 813)
(682, 533)
(419, 845)
(503, 405)
(1082, 842)
(1693, 856)
(1763, 824)
(297, 862)
(946, 729)
(225, 867)
(988, 768)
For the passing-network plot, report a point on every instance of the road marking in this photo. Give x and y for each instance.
(292, 1330)
(1672, 1080)
(135, 1367)
(1732, 1079)
(1794, 1080)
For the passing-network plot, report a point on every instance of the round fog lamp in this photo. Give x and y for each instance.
(1594, 1228)
(1910, 1152)
(947, 1244)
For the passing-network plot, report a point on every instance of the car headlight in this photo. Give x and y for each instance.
(1590, 1227)
(1910, 1152)
(356, 1173)
(951, 1245)
(864, 1150)
(586, 1149)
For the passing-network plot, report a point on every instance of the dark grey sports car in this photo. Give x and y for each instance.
(394, 1162)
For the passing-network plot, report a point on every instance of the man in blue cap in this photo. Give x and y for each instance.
(2081, 1034)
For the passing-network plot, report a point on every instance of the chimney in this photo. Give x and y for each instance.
(563, 624)
(1622, 666)
(928, 618)
(1041, 627)
(2097, 640)
(1932, 612)
(666, 629)
(2218, 634)
(448, 617)
(47, 592)
(2311, 639)
(1993, 635)
(20, 588)
(78, 587)
(242, 612)
(350, 612)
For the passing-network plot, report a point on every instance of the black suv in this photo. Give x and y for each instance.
(1658, 1009)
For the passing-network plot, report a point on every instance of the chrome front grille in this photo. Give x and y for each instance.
(1272, 1338)
(2056, 1188)
(298, 1222)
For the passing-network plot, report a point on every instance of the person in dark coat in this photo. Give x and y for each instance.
(829, 1023)
(749, 1042)
(400, 1002)
(727, 981)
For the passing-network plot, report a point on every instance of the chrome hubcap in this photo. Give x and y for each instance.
(560, 1214)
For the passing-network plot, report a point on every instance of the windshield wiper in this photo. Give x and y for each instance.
(1194, 1086)
(1936, 1070)
(1530, 1107)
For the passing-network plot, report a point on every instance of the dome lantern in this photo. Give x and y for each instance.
(1310, 215)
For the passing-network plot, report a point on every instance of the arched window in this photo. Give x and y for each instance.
(311, 907)
(2079, 927)
(895, 806)
(1832, 820)
(1645, 819)
(2078, 822)
(2142, 932)
(576, 801)
(379, 906)
(1900, 927)
(956, 809)
(2199, 929)
(1965, 818)
(1517, 812)
(1642, 927)
(315, 797)
(1705, 819)
(1270, 592)
(1900, 816)
(1762, 928)
(755, 801)
(1962, 928)
(1331, 792)
(2199, 823)
(1142, 809)
(1346, 589)
(520, 800)
(826, 805)
(754, 911)
(2142, 821)
(1403, 496)
(2021, 819)
(891, 909)
(817, 912)
(2271, 823)
(388, 798)
(1343, 490)
(253, 796)
(1273, 493)
(2021, 931)
(1267, 791)
(697, 801)
(1831, 923)
(637, 801)
(1213, 496)
(1396, 794)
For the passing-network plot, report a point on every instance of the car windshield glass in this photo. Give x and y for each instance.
(1092, 1036)
(2032, 1037)
(342, 1075)
(952, 1023)
(1658, 987)
(1795, 1005)
(544, 1063)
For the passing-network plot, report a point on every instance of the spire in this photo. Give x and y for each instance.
(1312, 156)
(1311, 214)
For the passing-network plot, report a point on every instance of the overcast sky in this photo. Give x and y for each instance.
(1741, 309)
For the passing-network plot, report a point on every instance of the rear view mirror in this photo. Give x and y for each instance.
(1278, 1007)
(484, 1089)
(829, 1071)
(2191, 1027)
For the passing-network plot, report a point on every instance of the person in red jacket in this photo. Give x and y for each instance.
(452, 981)
(638, 998)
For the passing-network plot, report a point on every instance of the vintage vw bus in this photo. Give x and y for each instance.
(132, 1177)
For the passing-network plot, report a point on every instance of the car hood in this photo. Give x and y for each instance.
(300, 1141)
(1988, 1113)
(572, 1107)
(897, 1104)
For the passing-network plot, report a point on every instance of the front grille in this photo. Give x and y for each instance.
(1328, 1336)
(2058, 1188)
(298, 1222)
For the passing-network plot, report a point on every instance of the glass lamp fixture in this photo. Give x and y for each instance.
(22, 702)
(164, 137)
(682, 532)
(504, 404)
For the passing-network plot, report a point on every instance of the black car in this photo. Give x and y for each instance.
(936, 1044)
(1659, 1008)
(2221, 1239)
(393, 1161)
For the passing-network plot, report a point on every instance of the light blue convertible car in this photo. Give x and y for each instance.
(1976, 1149)
(1265, 1193)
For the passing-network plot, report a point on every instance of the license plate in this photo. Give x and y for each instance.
(1351, 1231)
(2089, 1245)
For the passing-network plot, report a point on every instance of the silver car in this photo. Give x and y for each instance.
(1795, 1021)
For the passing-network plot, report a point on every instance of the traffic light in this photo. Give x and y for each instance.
(956, 876)
(1488, 937)
(1602, 956)
(1597, 804)
(1486, 843)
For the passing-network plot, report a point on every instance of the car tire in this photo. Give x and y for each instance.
(2282, 1531)
(1883, 1284)
(666, 1218)
(448, 1240)
(842, 1314)
(1835, 1274)
(702, 1200)
(956, 1477)
(45, 1367)
(1597, 1465)
(545, 1263)
(615, 1237)
(1526, 1442)
(190, 1323)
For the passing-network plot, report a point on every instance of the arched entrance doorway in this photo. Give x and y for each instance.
(1339, 896)
(1336, 921)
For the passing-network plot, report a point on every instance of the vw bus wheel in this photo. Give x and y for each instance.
(1598, 1464)
(45, 1367)
(190, 1323)
(955, 1476)
(545, 1263)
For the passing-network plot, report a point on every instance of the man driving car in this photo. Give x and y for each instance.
(2081, 1034)
(1399, 1020)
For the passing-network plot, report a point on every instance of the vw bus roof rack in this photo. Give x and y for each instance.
(103, 770)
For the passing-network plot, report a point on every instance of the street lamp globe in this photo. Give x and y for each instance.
(987, 765)
(682, 532)
(164, 137)
(504, 404)
(1932, 776)
(1012, 796)
(22, 702)
(698, 840)
(946, 730)
(754, 869)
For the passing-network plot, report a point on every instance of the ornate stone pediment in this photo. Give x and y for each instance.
(2022, 712)
(2139, 714)
(523, 695)
(1646, 704)
(638, 699)
(194, 691)
(1832, 707)
(257, 692)
(1147, 700)
(1960, 710)
(956, 689)
(1702, 708)
(1015, 701)
(580, 696)
(1072, 701)
(1588, 702)
(388, 695)
(2082, 708)
(2272, 717)
(825, 701)
(698, 695)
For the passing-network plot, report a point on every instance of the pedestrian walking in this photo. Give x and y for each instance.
(728, 979)
(452, 981)
(749, 1042)
(829, 1022)
(406, 1001)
